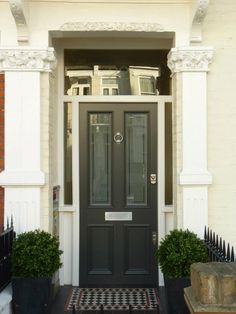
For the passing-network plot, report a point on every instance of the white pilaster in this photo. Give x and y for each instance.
(22, 176)
(189, 65)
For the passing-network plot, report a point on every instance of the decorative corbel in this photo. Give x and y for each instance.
(198, 9)
(19, 12)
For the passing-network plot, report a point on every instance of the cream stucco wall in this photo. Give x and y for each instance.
(51, 15)
(219, 31)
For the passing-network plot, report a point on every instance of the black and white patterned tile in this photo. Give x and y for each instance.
(91, 299)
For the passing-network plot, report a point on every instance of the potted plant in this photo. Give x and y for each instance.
(177, 251)
(35, 258)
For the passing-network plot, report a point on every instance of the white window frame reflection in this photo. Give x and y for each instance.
(110, 87)
(152, 79)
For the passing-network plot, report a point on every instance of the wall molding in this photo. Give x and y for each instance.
(191, 178)
(22, 178)
(190, 59)
(111, 26)
(27, 59)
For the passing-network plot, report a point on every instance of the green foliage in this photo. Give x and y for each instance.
(178, 250)
(35, 254)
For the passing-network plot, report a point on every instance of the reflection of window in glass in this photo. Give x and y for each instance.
(110, 86)
(79, 86)
(147, 85)
(68, 153)
(100, 129)
(136, 129)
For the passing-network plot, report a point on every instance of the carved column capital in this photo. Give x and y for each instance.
(27, 59)
(190, 59)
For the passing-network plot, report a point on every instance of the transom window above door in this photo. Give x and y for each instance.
(113, 72)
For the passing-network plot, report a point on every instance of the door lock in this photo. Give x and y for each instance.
(153, 178)
(154, 238)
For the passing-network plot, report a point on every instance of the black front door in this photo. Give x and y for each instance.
(118, 194)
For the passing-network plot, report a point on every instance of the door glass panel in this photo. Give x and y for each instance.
(68, 153)
(136, 158)
(100, 158)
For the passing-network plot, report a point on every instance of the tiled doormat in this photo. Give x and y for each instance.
(113, 299)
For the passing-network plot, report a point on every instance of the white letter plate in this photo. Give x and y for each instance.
(118, 216)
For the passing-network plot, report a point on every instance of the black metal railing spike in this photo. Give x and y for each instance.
(7, 223)
(73, 309)
(220, 244)
(228, 253)
(217, 248)
(224, 250)
(101, 309)
(130, 309)
(232, 255)
(11, 221)
(214, 238)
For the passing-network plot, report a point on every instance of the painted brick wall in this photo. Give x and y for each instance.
(1, 145)
(219, 31)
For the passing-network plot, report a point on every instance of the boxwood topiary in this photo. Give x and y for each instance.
(35, 254)
(178, 250)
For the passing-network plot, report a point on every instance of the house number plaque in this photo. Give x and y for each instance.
(118, 216)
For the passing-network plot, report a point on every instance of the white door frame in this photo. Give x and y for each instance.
(70, 214)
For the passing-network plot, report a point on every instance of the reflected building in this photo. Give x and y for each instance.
(100, 80)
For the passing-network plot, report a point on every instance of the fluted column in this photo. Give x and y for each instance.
(189, 66)
(22, 177)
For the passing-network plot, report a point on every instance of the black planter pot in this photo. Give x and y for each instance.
(174, 288)
(31, 295)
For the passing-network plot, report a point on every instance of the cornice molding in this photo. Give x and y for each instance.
(18, 11)
(190, 59)
(112, 26)
(27, 59)
(199, 10)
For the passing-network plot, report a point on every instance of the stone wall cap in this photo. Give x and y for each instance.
(196, 307)
(219, 268)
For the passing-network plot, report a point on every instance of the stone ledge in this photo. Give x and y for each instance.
(214, 283)
(195, 307)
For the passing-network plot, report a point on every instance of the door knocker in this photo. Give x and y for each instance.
(118, 138)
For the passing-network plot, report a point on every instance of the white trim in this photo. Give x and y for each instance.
(76, 193)
(67, 209)
(75, 208)
(118, 99)
(21, 177)
(188, 178)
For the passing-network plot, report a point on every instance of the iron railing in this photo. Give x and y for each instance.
(6, 240)
(218, 251)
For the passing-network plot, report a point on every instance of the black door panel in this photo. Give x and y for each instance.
(118, 152)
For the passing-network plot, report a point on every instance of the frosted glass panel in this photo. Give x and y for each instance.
(136, 158)
(68, 153)
(100, 158)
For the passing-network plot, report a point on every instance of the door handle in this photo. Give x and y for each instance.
(154, 238)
